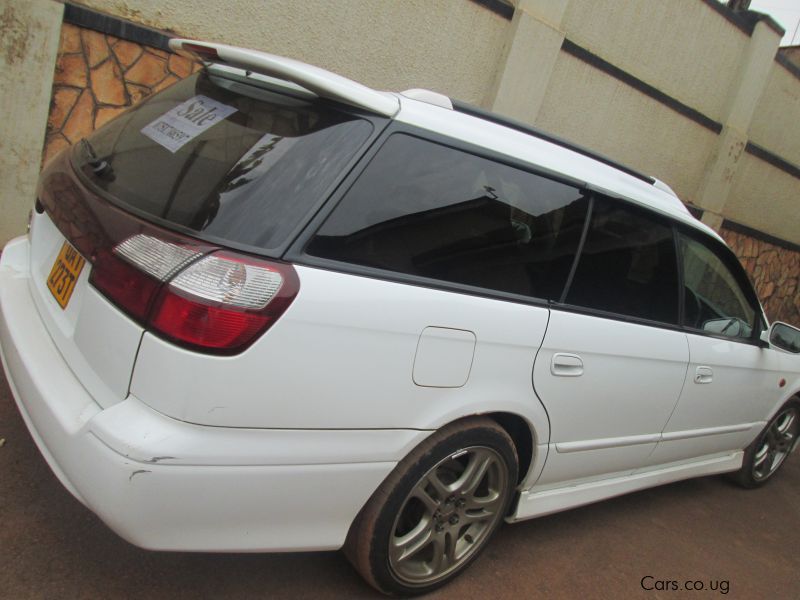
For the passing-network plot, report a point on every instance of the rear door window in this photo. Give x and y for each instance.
(428, 210)
(628, 264)
(231, 161)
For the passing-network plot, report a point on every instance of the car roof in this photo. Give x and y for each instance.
(437, 113)
(561, 160)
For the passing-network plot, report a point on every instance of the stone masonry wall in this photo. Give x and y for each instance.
(99, 76)
(774, 271)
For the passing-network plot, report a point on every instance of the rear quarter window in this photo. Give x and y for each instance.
(428, 210)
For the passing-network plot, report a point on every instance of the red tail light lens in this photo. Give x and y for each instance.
(132, 272)
(223, 302)
(123, 284)
(217, 302)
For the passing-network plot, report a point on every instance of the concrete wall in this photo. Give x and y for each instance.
(697, 65)
(602, 113)
(776, 124)
(451, 46)
(29, 32)
(765, 198)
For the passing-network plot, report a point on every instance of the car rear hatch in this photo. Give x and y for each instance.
(172, 219)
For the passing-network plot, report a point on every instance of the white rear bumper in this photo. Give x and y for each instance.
(169, 485)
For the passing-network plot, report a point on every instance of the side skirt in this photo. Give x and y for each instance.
(537, 504)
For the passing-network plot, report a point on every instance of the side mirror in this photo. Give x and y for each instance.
(785, 337)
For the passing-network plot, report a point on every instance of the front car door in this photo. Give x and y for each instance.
(733, 381)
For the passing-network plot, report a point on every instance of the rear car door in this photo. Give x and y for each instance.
(732, 382)
(613, 360)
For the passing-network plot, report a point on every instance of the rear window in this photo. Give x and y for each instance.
(235, 162)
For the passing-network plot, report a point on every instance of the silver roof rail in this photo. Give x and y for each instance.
(319, 81)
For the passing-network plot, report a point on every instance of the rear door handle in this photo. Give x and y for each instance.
(566, 365)
(703, 375)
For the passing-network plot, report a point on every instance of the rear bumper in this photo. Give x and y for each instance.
(169, 485)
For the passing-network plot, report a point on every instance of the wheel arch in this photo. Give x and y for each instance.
(523, 436)
(791, 396)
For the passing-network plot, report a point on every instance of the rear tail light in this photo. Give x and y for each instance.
(223, 302)
(194, 295)
(131, 273)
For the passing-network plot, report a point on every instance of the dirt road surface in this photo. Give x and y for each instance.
(705, 531)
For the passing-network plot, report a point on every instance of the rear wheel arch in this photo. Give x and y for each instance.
(472, 436)
(523, 435)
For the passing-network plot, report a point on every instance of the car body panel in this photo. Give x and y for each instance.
(169, 485)
(731, 408)
(82, 331)
(608, 418)
(346, 347)
(538, 502)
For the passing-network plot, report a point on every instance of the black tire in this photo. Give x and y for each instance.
(460, 524)
(766, 455)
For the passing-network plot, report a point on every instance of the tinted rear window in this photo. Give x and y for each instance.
(246, 168)
(427, 210)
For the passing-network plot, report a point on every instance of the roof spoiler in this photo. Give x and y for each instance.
(319, 81)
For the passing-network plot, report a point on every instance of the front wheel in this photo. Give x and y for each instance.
(437, 510)
(767, 453)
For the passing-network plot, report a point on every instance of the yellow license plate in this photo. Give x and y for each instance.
(64, 274)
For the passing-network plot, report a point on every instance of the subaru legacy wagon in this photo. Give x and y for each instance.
(271, 309)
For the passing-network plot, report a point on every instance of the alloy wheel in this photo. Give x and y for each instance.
(448, 515)
(776, 443)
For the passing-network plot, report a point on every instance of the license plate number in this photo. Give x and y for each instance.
(64, 274)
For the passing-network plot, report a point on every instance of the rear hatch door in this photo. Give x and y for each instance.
(217, 160)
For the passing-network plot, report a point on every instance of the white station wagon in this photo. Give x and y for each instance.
(271, 309)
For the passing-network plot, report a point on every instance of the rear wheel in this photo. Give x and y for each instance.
(767, 453)
(437, 510)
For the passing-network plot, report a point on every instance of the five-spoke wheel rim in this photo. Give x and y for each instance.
(448, 515)
(776, 443)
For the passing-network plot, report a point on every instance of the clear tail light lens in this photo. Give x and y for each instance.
(154, 256)
(217, 302)
(131, 273)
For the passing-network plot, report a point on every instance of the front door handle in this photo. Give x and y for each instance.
(703, 375)
(566, 365)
